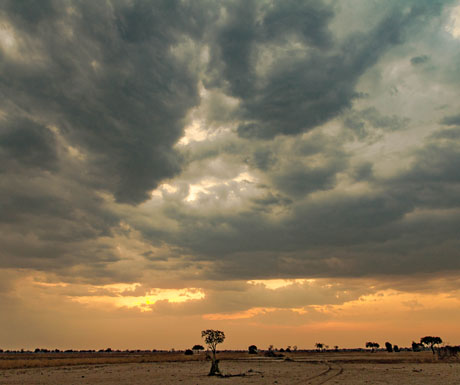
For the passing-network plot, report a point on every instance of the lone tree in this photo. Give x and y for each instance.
(431, 341)
(252, 349)
(212, 338)
(388, 347)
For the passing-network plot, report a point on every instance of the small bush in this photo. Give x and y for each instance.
(252, 349)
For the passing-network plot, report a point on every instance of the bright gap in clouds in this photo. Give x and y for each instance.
(274, 284)
(454, 23)
(8, 41)
(192, 133)
(118, 295)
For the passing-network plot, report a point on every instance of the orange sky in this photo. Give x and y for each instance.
(79, 316)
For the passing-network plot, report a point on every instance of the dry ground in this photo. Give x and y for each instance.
(167, 368)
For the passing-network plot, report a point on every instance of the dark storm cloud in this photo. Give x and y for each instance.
(291, 75)
(93, 99)
(26, 144)
(95, 96)
(112, 78)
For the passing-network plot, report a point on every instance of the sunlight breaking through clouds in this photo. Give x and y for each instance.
(120, 296)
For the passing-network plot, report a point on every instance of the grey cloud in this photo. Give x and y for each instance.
(113, 80)
(31, 11)
(268, 200)
(363, 172)
(299, 180)
(308, 21)
(395, 228)
(418, 60)
(369, 123)
(453, 120)
(297, 91)
(295, 295)
(26, 144)
(95, 98)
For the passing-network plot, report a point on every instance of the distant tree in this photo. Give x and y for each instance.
(319, 345)
(252, 349)
(336, 348)
(189, 352)
(372, 345)
(197, 348)
(294, 348)
(416, 347)
(431, 341)
(388, 347)
(271, 352)
(288, 349)
(448, 352)
(396, 349)
(212, 338)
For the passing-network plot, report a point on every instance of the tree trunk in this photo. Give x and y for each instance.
(214, 366)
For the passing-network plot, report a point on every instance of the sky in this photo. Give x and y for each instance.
(285, 171)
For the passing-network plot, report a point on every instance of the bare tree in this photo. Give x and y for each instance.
(212, 338)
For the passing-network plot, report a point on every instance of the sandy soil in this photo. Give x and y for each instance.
(244, 372)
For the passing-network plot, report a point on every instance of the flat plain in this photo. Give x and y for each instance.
(237, 367)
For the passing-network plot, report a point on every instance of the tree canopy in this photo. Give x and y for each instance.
(213, 337)
(431, 341)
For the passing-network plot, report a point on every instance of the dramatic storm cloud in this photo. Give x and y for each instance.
(283, 162)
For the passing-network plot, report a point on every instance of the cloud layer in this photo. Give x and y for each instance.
(174, 144)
